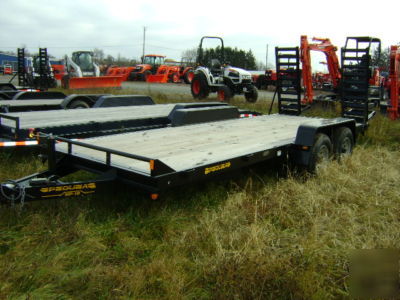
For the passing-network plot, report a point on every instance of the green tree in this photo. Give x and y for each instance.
(383, 60)
(232, 56)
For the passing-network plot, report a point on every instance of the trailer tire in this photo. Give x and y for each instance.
(188, 78)
(224, 93)
(252, 95)
(78, 104)
(343, 142)
(199, 87)
(320, 153)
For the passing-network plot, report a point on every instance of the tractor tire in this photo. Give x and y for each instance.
(320, 153)
(199, 87)
(252, 95)
(343, 142)
(132, 76)
(224, 94)
(175, 78)
(188, 77)
(78, 104)
(146, 75)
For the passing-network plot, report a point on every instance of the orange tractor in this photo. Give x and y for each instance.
(124, 72)
(154, 69)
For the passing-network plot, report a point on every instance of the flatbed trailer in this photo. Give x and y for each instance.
(72, 102)
(29, 95)
(163, 158)
(22, 129)
(159, 159)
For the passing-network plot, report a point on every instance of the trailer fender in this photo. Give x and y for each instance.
(68, 101)
(188, 116)
(123, 100)
(300, 152)
(29, 95)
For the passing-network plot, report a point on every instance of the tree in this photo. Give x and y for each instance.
(189, 56)
(98, 55)
(382, 61)
(233, 56)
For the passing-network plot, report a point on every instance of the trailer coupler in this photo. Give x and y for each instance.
(41, 188)
(11, 191)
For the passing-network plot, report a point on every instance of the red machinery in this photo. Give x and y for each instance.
(7, 70)
(120, 71)
(83, 72)
(264, 80)
(329, 50)
(154, 69)
(171, 73)
(394, 78)
(58, 70)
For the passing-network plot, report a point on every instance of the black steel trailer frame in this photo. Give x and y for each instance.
(49, 184)
(12, 134)
(39, 101)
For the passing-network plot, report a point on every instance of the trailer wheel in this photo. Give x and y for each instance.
(77, 104)
(320, 153)
(252, 95)
(343, 142)
(199, 87)
(188, 78)
(224, 93)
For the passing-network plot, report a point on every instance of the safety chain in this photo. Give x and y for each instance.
(12, 198)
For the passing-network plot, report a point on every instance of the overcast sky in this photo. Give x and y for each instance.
(64, 26)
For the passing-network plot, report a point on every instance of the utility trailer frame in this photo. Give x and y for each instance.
(39, 103)
(204, 151)
(22, 129)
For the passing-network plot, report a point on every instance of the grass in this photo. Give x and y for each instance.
(258, 236)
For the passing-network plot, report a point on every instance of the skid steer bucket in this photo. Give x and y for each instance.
(95, 82)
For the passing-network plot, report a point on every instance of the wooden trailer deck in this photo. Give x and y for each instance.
(187, 147)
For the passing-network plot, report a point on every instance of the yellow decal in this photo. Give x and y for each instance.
(69, 190)
(217, 168)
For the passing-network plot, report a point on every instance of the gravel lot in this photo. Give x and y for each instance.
(164, 88)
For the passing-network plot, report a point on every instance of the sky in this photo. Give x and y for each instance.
(172, 26)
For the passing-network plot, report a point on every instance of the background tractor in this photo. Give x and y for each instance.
(155, 69)
(217, 76)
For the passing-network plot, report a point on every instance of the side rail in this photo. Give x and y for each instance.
(48, 184)
(11, 135)
(156, 167)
